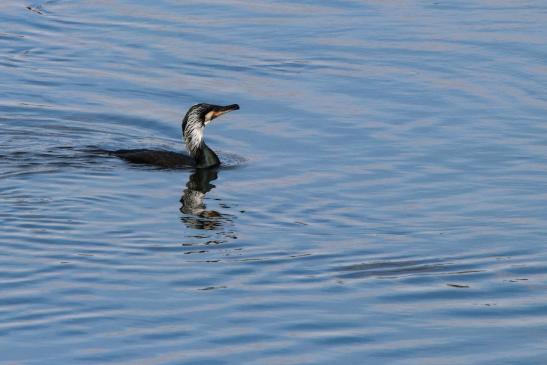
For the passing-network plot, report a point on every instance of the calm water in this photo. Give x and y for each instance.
(385, 201)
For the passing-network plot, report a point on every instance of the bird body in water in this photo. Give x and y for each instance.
(193, 124)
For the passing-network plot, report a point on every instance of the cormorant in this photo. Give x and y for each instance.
(201, 156)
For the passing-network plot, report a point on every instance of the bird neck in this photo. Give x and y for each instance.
(206, 157)
(202, 154)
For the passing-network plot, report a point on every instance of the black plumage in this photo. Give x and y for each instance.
(193, 124)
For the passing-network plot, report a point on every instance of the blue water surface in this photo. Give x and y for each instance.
(383, 201)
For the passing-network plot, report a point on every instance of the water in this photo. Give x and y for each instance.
(384, 202)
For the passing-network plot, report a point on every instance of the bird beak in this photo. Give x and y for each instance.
(219, 110)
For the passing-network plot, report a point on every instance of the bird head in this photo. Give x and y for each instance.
(195, 120)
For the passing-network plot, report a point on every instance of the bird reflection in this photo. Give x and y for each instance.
(196, 215)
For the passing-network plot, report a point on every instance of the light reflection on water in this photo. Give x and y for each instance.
(382, 201)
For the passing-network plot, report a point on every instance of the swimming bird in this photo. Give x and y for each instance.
(193, 124)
